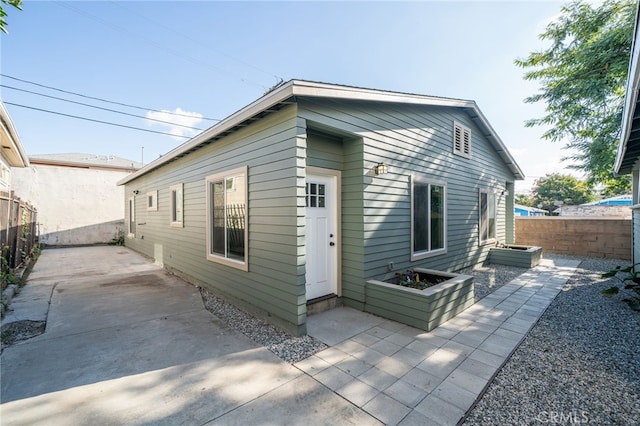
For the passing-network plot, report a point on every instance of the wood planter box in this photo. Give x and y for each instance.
(515, 255)
(425, 309)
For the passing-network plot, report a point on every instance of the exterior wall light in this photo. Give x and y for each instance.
(381, 169)
(136, 192)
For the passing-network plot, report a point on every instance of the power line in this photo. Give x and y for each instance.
(123, 30)
(192, 39)
(100, 108)
(95, 121)
(100, 99)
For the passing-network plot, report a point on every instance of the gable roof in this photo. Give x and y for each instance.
(10, 144)
(287, 93)
(629, 147)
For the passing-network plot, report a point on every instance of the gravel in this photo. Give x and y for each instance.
(19, 330)
(579, 364)
(290, 348)
(487, 278)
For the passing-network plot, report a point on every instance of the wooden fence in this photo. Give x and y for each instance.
(18, 231)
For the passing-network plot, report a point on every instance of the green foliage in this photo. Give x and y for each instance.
(6, 273)
(15, 3)
(582, 75)
(118, 240)
(415, 280)
(524, 200)
(560, 187)
(633, 276)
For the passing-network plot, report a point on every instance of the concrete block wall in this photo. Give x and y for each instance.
(578, 236)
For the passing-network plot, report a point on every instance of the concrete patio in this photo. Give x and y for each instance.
(127, 343)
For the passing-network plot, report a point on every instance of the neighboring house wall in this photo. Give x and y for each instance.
(75, 205)
(596, 211)
(592, 237)
(351, 137)
(5, 176)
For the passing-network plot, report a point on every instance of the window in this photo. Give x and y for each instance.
(487, 216)
(176, 199)
(152, 201)
(131, 219)
(461, 140)
(315, 196)
(227, 237)
(428, 219)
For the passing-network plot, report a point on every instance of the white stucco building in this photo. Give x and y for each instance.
(76, 195)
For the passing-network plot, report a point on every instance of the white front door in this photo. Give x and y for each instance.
(321, 236)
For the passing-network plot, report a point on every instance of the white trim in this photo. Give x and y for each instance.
(465, 140)
(337, 175)
(240, 171)
(131, 217)
(429, 253)
(16, 147)
(176, 206)
(482, 242)
(631, 97)
(301, 88)
(153, 197)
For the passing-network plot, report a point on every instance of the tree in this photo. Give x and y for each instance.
(548, 190)
(582, 76)
(524, 200)
(15, 3)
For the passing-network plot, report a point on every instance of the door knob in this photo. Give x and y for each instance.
(332, 244)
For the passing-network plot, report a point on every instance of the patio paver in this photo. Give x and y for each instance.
(419, 377)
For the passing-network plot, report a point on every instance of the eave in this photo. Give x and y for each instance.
(294, 89)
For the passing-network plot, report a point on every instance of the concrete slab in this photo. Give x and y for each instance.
(336, 325)
(127, 343)
(298, 402)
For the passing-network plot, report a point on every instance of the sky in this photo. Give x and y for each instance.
(207, 59)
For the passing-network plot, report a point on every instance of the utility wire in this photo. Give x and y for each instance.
(192, 39)
(123, 30)
(95, 121)
(101, 108)
(100, 99)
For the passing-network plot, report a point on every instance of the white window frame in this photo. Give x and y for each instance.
(152, 201)
(215, 257)
(5, 176)
(417, 255)
(461, 140)
(489, 194)
(176, 211)
(131, 217)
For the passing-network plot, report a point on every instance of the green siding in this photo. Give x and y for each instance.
(412, 141)
(350, 136)
(422, 309)
(274, 284)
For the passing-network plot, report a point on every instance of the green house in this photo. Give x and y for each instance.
(314, 188)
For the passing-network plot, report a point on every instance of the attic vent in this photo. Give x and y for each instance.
(461, 140)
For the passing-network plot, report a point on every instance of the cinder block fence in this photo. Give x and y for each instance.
(579, 236)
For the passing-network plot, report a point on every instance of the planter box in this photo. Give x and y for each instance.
(425, 309)
(514, 255)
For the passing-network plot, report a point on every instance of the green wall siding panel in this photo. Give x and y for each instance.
(349, 136)
(270, 148)
(414, 141)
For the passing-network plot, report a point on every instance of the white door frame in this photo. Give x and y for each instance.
(131, 217)
(336, 176)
